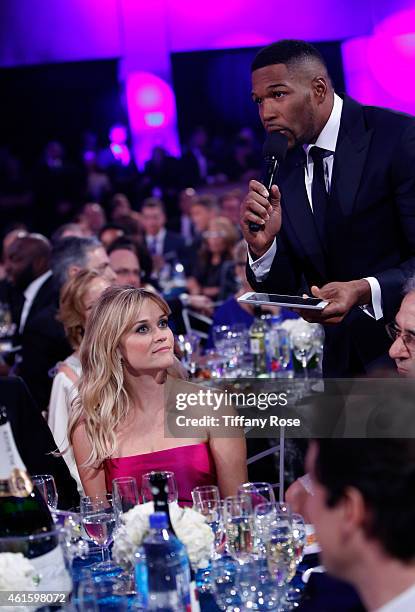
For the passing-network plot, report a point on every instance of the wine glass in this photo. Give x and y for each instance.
(303, 347)
(47, 488)
(299, 535)
(124, 495)
(146, 486)
(190, 347)
(207, 501)
(239, 527)
(260, 492)
(98, 520)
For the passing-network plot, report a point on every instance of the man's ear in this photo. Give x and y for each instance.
(73, 270)
(354, 511)
(320, 88)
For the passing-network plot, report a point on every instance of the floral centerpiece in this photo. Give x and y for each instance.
(190, 527)
(17, 573)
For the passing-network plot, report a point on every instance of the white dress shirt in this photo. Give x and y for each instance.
(327, 139)
(155, 243)
(30, 294)
(405, 602)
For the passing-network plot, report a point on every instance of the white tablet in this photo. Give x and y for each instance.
(288, 301)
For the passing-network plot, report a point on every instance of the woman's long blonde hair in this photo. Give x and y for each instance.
(103, 397)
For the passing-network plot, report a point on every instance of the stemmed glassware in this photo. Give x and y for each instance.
(190, 347)
(224, 583)
(206, 500)
(239, 527)
(275, 527)
(260, 492)
(98, 520)
(303, 347)
(47, 488)
(124, 495)
(146, 486)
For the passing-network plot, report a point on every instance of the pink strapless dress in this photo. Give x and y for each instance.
(192, 465)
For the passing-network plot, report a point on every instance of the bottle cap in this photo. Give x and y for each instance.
(158, 520)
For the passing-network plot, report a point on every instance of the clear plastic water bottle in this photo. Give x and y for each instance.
(162, 569)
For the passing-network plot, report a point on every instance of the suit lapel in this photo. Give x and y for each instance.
(297, 211)
(350, 156)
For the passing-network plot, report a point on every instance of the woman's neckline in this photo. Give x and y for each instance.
(158, 451)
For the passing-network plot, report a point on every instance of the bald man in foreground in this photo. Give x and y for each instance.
(340, 225)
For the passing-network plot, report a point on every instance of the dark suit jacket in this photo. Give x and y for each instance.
(371, 229)
(174, 248)
(34, 439)
(43, 344)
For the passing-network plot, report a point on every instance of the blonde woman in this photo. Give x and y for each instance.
(117, 427)
(76, 300)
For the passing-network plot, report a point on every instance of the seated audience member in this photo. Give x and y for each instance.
(216, 249)
(203, 209)
(44, 342)
(163, 245)
(120, 206)
(230, 204)
(76, 300)
(126, 261)
(363, 510)
(232, 311)
(34, 440)
(66, 230)
(109, 233)
(92, 217)
(402, 332)
(117, 427)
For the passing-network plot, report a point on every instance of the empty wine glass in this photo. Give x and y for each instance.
(146, 486)
(190, 347)
(303, 347)
(124, 495)
(239, 527)
(98, 520)
(260, 492)
(207, 501)
(47, 488)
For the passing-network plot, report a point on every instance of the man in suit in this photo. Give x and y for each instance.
(44, 342)
(34, 439)
(341, 223)
(163, 245)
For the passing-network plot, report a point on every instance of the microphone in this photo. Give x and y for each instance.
(274, 152)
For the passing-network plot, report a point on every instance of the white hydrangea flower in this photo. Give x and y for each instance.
(190, 527)
(16, 573)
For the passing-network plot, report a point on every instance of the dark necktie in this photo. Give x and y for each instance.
(319, 195)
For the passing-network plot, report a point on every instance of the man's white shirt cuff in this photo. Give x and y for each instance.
(374, 309)
(261, 266)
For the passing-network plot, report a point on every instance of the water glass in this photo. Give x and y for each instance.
(256, 587)
(223, 579)
(124, 495)
(239, 527)
(146, 486)
(47, 488)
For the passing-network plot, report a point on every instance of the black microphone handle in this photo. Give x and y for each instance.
(268, 180)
